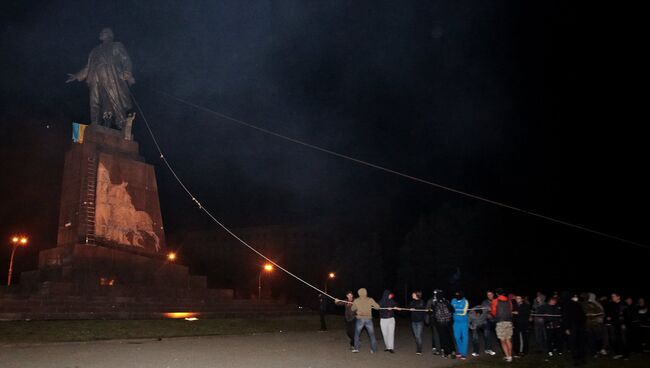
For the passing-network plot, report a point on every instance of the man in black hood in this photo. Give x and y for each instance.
(442, 316)
(435, 337)
(387, 320)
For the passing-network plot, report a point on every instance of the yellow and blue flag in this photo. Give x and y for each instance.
(78, 132)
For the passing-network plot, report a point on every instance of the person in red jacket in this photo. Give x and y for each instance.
(502, 312)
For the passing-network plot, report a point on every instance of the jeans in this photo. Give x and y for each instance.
(350, 327)
(520, 340)
(367, 324)
(490, 333)
(417, 333)
(480, 331)
(540, 334)
(388, 332)
(554, 340)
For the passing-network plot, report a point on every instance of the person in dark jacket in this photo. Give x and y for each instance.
(491, 326)
(552, 314)
(521, 322)
(435, 338)
(538, 323)
(619, 328)
(349, 316)
(417, 319)
(595, 323)
(575, 323)
(632, 321)
(387, 319)
(322, 310)
(644, 324)
(443, 318)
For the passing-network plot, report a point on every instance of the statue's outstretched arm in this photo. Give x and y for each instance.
(78, 76)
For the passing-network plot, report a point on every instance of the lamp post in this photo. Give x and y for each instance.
(330, 275)
(267, 268)
(16, 241)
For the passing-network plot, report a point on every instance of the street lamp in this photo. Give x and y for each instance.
(330, 275)
(171, 256)
(267, 268)
(16, 241)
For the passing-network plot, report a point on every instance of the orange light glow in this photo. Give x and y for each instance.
(181, 315)
(268, 267)
(171, 256)
(19, 240)
(331, 275)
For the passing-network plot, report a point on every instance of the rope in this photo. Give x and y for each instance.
(398, 173)
(207, 212)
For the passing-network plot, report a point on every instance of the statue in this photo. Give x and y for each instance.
(109, 75)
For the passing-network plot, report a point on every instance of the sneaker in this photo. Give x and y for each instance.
(435, 351)
(490, 352)
(509, 359)
(391, 351)
(603, 352)
(462, 358)
(550, 353)
(418, 353)
(619, 356)
(355, 350)
(475, 355)
(372, 351)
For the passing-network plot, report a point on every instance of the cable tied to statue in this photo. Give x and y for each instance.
(207, 212)
(396, 172)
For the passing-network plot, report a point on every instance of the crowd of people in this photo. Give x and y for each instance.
(579, 324)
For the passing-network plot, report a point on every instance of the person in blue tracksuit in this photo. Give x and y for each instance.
(461, 305)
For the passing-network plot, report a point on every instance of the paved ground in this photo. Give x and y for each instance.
(286, 350)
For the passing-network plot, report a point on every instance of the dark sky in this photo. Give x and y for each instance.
(535, 104)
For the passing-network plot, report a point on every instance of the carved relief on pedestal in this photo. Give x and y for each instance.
(116, 218)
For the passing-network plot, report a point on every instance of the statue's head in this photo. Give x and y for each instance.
(106, 34)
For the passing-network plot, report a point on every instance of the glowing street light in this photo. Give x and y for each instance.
(330, 275)
(267, 268)
(16, 241)
(171, 256)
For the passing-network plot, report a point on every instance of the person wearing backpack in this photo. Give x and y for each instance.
(502, 312)
(460, 305)
(442, 316)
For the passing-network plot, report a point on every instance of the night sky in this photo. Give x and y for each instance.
(535, 104)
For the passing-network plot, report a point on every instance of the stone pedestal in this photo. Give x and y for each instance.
(109, 196)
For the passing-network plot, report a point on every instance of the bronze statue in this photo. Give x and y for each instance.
(109, 75)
